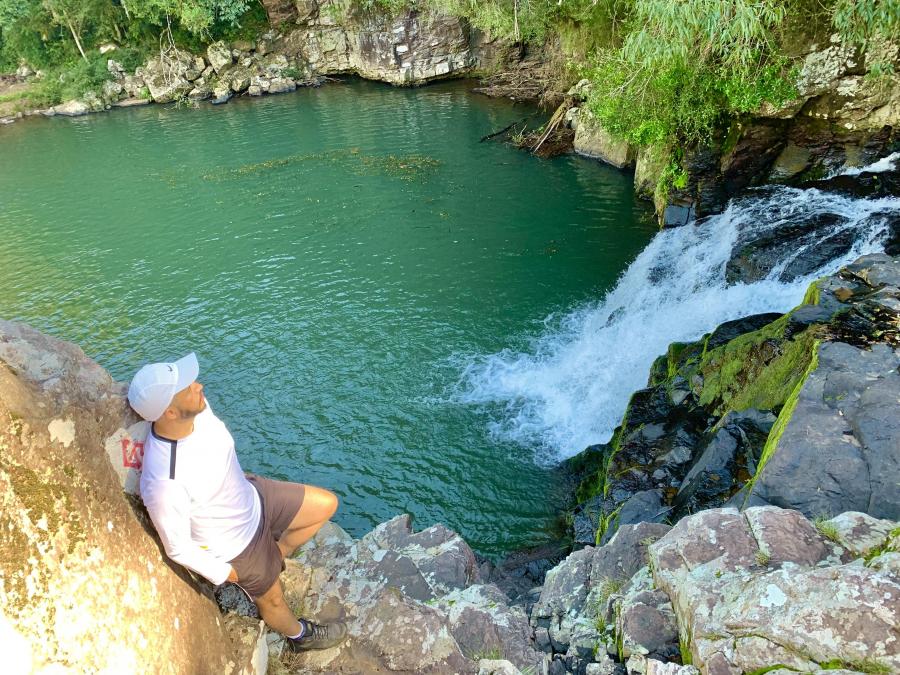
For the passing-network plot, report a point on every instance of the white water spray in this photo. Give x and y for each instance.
(571, 389)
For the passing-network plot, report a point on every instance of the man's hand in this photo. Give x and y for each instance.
(232, 576)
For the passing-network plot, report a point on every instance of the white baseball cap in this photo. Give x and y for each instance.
(154, 385)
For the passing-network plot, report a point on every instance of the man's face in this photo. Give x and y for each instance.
(189, 402)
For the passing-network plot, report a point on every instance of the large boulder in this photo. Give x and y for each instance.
(765, 587)
(840, 448)
(413, 603)
(85, 583)
(592, 140)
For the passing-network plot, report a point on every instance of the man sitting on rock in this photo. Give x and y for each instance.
(211, 517)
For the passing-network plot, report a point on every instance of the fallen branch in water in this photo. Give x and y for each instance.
(504, 129)
(553, 124)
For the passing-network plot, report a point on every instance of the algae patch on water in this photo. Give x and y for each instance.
(409, 167)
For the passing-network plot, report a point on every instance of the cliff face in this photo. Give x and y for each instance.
(84, 587)
(841, 117)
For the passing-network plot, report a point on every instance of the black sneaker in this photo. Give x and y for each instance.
(317, 636)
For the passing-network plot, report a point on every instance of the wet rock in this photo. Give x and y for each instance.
(731, 329)
(818, 237)
(838, 450)
(678, 215)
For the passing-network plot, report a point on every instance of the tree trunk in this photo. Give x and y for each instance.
(77, 39)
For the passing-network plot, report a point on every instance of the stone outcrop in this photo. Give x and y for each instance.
(765, 587)
(84, 584)
(592, 140)
(796, 410)
(413, 603)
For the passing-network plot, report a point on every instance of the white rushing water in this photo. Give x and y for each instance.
(888, 163)
(570, 389)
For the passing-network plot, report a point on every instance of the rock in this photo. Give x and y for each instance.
(80, 559)
(645, 620)
(165, 79)
(678, 215)
(112, 90)
(219, 56)
(592, 140)
(481, 621)
(239, 79)
(838, 451)
(859, 533)
(72, 108)
(221, 94)
(24, 71)
(254, 90)
(497, 667)
(411, 601)
(729, 330)
(644, 506)
(114, 68)
(134, 86)
(200, 93)
(131, 102)
(765, 588)
(280, 85)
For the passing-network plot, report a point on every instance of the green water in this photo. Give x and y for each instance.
(334, 256)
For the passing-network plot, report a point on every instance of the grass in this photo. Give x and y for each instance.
(827, 529)
(763, 558)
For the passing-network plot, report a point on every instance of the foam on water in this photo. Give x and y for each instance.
(570, 389)
(888, 163)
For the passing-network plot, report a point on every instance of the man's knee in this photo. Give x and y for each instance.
(332, 503)
(273, 598)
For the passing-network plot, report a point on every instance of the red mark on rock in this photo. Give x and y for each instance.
(132, 453)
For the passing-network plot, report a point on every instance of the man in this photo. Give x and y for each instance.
(211, 517)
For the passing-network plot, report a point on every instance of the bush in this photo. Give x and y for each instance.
(68, 81)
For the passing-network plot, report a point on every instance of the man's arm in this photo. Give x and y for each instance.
(169, 506)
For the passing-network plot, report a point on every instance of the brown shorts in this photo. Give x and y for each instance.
(259, 565)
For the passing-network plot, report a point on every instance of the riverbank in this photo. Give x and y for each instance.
(836, 105)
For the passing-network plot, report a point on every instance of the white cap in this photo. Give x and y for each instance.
(154, 385)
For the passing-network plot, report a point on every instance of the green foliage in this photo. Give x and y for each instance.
(861, 21)
(52, 33)
(683, 68)
(69, 81)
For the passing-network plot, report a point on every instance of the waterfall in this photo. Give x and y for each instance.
(571, 387)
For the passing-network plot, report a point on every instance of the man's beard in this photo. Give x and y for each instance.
(184, 414)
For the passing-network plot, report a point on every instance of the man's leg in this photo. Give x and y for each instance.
(275, 611)
(317, 508)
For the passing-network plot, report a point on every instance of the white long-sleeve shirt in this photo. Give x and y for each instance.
(203, 507)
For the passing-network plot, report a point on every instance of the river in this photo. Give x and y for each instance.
(337, 257)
